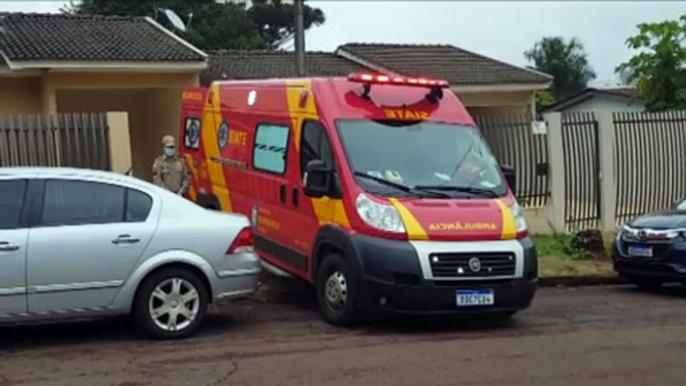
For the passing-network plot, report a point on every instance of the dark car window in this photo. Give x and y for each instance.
(79, 202)
(12, 194)
(138, 205)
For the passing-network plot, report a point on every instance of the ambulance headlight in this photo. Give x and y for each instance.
(380, 216)
(520, 222)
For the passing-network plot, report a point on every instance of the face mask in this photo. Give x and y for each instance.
(169, 151)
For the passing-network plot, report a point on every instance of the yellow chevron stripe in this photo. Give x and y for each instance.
(415, 231)
(509, 224)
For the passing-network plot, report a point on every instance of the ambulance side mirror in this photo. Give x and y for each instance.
(317, 180)
(510, 176)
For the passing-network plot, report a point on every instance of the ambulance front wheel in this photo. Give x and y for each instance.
(337, 291)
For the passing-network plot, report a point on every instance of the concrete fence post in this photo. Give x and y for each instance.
(606, 177)
(556, 170)
(120, 142)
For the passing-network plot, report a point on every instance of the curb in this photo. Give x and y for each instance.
(579, 281)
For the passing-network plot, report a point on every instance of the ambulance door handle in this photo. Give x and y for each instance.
(283, 193)
(296, 195)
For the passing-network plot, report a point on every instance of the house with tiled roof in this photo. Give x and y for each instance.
(600, 99)
(244, 64)
(485, 85)
(57, 63)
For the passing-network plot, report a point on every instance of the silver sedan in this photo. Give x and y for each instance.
(78, 243)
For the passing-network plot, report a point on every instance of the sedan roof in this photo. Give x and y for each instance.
(57, 172)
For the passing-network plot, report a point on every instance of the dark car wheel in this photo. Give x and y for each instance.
(337, 291)
(171, 304)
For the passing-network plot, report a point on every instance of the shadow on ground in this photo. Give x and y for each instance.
(291, 304)
(108, 330)
(666, 291)
(303, 298)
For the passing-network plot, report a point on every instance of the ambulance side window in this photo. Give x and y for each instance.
(314, 145)
(271, 144)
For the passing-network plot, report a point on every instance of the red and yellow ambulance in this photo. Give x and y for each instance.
(378, 190)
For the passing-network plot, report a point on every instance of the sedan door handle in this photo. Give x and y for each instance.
(7, 247)
(125, 239)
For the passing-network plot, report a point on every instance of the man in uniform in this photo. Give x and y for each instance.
(171, 171)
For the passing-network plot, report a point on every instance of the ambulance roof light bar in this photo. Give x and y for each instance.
(368, 80)
(397, 80)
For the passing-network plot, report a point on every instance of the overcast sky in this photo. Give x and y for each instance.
(502, 30)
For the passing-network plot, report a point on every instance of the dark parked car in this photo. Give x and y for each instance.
(651, 250)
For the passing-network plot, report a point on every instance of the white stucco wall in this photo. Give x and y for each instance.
(607, 103)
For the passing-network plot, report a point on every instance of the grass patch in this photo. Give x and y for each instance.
(557, 256)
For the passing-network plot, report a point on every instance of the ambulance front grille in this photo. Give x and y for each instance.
(456, 265)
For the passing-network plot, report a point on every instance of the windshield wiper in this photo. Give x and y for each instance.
(465, 189)
(404, 188)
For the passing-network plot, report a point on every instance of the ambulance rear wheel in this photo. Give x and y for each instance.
(336, 291)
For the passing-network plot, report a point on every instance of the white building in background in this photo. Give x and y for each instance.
(615, 99)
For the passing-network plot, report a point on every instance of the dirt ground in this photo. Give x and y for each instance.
(582, 336)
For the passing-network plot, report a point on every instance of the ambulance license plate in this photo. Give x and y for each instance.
(467, 298)
(640, 251)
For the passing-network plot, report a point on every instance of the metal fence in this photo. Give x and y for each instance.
(650, 154)
(70, 140)
(581, 160)
(513, 143)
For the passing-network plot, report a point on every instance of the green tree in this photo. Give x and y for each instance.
(214, 25)
(276, 20)
(566, 61)
(223, 26)
(658, 68)
(544, 99)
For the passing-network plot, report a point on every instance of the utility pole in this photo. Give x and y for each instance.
(298, 7)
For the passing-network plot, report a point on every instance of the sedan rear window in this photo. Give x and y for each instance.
(12, 194)
(138, 205)
(79, 202)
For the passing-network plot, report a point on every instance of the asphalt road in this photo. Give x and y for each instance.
(582, 336)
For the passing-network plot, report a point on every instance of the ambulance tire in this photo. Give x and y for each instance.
(335, 272)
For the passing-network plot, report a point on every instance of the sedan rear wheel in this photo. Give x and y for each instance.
(171, 304)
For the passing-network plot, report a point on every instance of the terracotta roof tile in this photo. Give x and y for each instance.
(244, 64)
(458, 66)
(61, 37)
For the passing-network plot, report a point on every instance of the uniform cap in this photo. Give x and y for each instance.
(168, 141)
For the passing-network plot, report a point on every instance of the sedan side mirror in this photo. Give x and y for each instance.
(679, 205)
(317, 182)
(510, 176)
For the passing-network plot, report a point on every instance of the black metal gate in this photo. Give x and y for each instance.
(582, 170)
(513, 143)
(649, 161)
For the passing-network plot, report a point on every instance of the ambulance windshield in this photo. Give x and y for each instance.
(421, 157)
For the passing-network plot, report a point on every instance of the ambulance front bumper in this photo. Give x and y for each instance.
(399, 276)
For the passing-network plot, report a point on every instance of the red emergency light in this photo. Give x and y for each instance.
(397, 80)
(368, 80)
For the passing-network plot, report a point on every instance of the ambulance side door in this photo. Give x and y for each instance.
(310, 213)
(271, 211)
